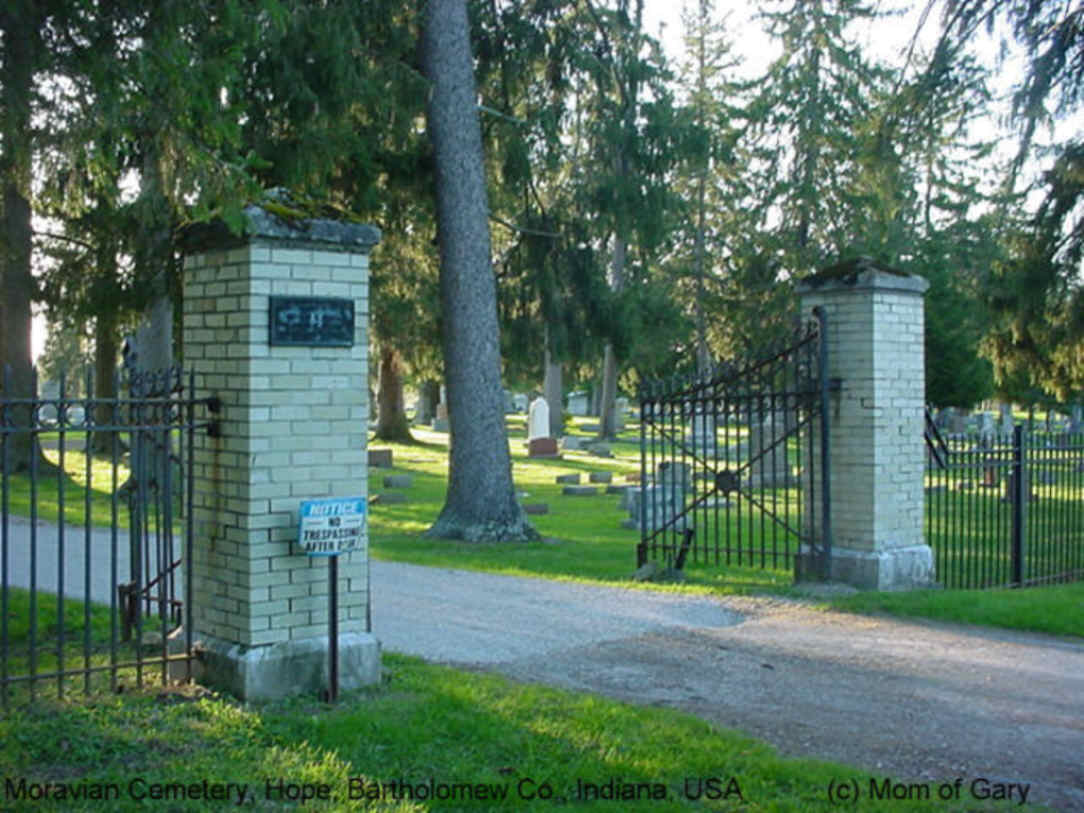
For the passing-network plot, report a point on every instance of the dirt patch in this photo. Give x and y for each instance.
(905, 700)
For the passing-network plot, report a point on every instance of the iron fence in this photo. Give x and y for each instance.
(95, 527)
(1005, 510)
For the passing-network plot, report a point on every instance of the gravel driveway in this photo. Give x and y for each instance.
(907, 700)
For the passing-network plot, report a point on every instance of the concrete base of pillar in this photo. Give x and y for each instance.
(288, 668)
(907, 568)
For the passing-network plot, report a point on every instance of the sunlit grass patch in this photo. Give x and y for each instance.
(484, 742)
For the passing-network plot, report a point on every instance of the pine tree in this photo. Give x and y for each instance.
(481, 503)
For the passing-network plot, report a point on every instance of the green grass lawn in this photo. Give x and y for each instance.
(434, 729)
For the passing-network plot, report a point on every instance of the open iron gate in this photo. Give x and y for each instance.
(733, 464)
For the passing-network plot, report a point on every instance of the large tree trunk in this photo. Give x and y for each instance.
(20, 37)
(105, 378)
(551, 391)
(392, 423)
(481, 502)
(607, 412)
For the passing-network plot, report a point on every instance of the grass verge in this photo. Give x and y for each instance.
(427, 730)
(1055, 610)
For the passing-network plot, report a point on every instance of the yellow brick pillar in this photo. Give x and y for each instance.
(876, 339)
(293, 427)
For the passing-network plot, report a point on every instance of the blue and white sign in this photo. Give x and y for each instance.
(334, 526)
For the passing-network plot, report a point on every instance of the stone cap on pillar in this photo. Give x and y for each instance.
(280, 218)
(862, 273)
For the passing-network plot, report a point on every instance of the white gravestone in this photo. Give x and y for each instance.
(538, 419)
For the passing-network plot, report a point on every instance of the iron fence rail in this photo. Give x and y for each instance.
(1005, 510)
(81, 596)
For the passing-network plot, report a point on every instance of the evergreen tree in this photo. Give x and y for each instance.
(1036, 294)
(481, 503)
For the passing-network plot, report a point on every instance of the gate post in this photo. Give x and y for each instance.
(875, 335)
(294, 422)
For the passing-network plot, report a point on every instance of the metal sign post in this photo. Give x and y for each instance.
(331, 528)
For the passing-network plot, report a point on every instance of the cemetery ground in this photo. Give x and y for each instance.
(486, 731)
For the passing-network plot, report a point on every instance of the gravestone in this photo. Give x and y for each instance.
(1005, 420)
(658, 505)
(701, 437)
(957, 424)
(675, 473)
(768, 448)
(519, 402)
(539, 443)
(538, 419)
(440, 422)
(621, 408)
(573, 442)
(577, 404)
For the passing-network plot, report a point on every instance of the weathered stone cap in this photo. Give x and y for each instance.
(286, 221)
(261, 221)
(862, 272)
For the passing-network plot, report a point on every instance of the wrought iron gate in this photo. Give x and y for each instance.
(84, 599)
(733, 464)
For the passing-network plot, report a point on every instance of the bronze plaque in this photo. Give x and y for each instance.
(312, 321)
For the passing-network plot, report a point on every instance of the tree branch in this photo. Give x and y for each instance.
(521, 230)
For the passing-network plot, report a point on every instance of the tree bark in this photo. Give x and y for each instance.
(481, 503)
(392, 424)
(607, 413)
(20, 39)
(552, 392)
(105, 377)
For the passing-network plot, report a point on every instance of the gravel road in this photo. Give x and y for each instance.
(911, 701)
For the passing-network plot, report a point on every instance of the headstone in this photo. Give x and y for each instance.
(542, 447)
(957, 423)
(661, 506)
(519, 402)
(675, 473)
(701, 437)
(398, 481)
(390, 497)
(380, 458)
(577, 403)
(621, 409)
(538, 419)
(572, 442)
(985, 425)
(600, 477)
(1005, 420)
(509, 404)
(567, 479)
(768, 449)
(440, 422)
(580, 491)
(536, 508)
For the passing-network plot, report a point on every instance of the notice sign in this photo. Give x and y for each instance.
(331, 527)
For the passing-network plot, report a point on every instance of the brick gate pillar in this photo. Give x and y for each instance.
(294, 427)
(875, 335)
